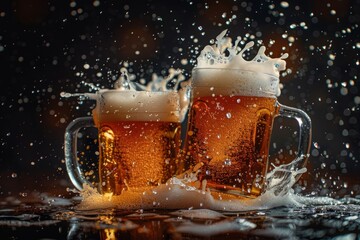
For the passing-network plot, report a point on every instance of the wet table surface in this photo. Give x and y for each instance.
(58, 218)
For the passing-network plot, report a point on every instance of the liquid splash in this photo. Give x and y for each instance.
(225, 61)
(226, 55)
(181, 192)
(170, 83)
(173, 82)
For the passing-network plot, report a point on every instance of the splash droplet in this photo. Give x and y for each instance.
(284, 4)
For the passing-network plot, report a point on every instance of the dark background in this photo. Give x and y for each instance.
(45, 46)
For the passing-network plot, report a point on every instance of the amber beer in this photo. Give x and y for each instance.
(229, 129)
(139, 140)
(139, 136)
(230, 135)
(137, 154)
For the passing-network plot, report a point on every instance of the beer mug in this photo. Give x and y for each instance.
(229, 129)
(139, 138)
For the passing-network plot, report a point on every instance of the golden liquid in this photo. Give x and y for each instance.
(135, 154)
(231, 136)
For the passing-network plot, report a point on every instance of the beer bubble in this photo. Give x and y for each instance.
(228, 115)
(238, 100)
(14, 175)
(227, 162)
(258, 178)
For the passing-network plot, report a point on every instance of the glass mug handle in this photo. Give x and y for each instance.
(70, 147)
(304, 123)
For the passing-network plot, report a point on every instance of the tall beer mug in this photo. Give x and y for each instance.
(139, 138)
(230, 125)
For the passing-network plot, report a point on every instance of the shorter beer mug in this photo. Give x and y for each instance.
(230, 125)
(139, 138)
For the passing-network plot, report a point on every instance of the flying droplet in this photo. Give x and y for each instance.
(284, 4)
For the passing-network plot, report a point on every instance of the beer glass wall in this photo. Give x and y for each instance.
(230, 125)
(139, 139)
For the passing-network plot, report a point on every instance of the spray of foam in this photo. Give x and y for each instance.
(173, 82)
(181, 192)
(169, 83)
(124, 83)
(226, 55)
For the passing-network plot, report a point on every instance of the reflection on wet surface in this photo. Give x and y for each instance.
(58, 218)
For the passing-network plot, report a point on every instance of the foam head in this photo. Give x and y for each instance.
(233, 82)
(222, 67)
(115, 105)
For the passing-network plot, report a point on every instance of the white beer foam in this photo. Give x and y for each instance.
(233, 82)
(181, 193)
(117, 105)
(223, 65)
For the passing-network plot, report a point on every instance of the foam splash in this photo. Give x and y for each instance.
(226, 55)
(169, 83)
(126, 82)
(147, 96)
(181, 192)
